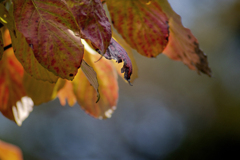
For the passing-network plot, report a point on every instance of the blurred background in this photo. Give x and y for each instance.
(170, 112)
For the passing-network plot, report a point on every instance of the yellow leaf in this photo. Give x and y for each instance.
(108, 88)
(9, 152)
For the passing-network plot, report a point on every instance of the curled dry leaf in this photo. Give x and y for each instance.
(141, 23)
(128, 49)
(94, 24)
(46, 25)
(183, 46)
(116, 52)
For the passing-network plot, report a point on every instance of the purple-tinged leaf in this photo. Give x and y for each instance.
(94, 24)
(116, 52)
(46, 24)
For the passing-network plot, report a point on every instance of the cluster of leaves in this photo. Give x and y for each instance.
(43, 56)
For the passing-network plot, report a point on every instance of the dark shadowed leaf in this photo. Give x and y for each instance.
(6, 19)
(117, 53)
(1, 45)
(182, 44)
(142, 23)
(94, 24)
(91, 76)
(47, 26)
(39, 91)
(108, 88)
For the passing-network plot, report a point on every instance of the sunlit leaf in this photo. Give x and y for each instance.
(128, 49)
(182, 44)
(108, 88)
(142, 23)
(10, 152)
(58, 86)
(46, 24)
(94, 24)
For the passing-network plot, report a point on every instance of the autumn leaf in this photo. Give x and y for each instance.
(116, 52)
(141, 23)
(39, 91)
(108, 88)
(66, 93)
(14, 103)
(94, 24)
(46, 24)
(86, 84)
(23, 51)
(182, 44)
(128, 49)
(91, 75)
(10, 152)
(26, 57)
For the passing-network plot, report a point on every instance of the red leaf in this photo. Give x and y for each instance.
(94, 24)
(142, 23)
(46, 24)
(182, 44)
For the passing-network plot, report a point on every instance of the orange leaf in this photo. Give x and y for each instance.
(108, 88)
(182, 44)
(142, 23)
(13, 101)
(66, 93)
(9, 152)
